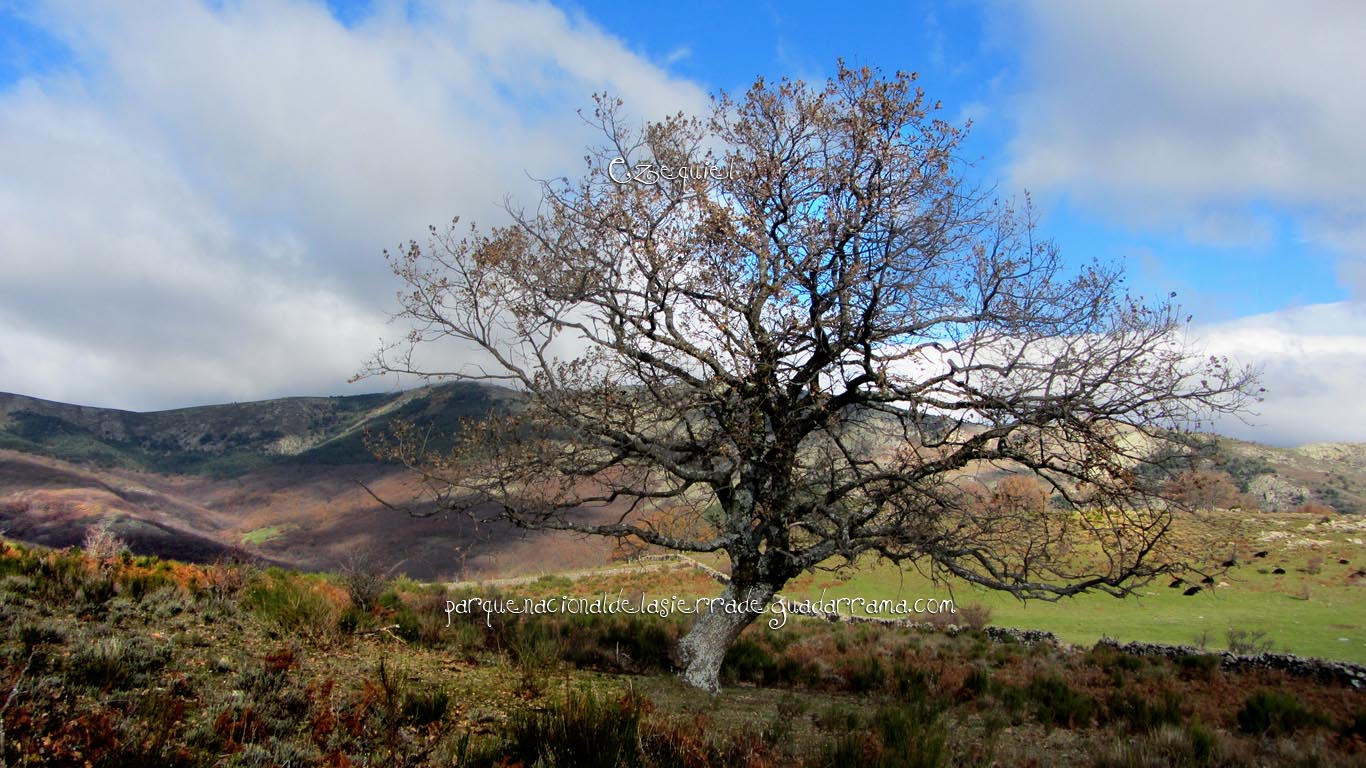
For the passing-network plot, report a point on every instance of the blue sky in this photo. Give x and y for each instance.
(193, 196)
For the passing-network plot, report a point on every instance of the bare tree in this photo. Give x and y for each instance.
(794, 326)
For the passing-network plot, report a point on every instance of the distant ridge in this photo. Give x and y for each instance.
(232, 439)
(280, 479)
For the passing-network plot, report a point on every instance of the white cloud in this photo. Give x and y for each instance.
(1193, 113)
(1221, 122)
(195, 211)
(1313, 360)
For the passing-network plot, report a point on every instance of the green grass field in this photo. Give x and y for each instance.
(1328, 624)
(262, 535)
(1319, 614)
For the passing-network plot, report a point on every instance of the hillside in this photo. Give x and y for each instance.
(1281, 479)
(281, 480)
(232, 439)
(316, 518)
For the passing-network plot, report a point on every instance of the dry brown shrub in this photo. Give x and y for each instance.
(976, 616)
(1315, 509)
(1205, 489)
(101, 544)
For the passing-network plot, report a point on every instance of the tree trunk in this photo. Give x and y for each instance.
(704, 647)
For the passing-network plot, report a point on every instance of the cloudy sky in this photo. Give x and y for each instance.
(194, 196)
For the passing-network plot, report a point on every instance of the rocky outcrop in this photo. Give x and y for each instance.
(1274, 493)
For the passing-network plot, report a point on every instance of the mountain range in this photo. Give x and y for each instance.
(285, 481)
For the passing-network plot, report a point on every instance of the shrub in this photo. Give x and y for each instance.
(1140, 715)
(617, 642)
(838, 716)
(1275, 713)
(910, 682)
(423, 708)
(1056, 703)
(677, 743)
(909, 734)
(96, 589)
(102, 545)
(364, 581)
(115, 663)
(136, 586)
(785, 715)
(976, 683)
(352, 619)
(795, 671)
(31, 637)
(148, 737)
(580, 730)
(1200, 665)
(276, 753)
(291, 605)
(1315, 509)
(1357, 727)
(223, 580)
(687, 744)
(536, 650)
(554, 581)
(1170, 745)
(865, 674)
(646, 643)
(1013, 698)
(465, 637)
(844, 750)
(1249, 642)
(428, 609)
(1110, 658)
(237, 725)
(747, 661)
(976, 616)
(409, 626)
(1202, 743)
(15, 560)
(61, 575)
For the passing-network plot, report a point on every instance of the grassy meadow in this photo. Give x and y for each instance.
(1317, 607)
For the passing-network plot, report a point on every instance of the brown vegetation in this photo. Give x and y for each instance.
(150, 663)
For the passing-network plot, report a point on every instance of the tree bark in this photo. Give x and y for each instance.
(704, 647)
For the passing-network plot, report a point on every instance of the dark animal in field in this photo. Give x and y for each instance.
(1177, 584)
(1207, 580)
(1260, 554)
(1229, 563)
(1191, 591)
(1279, 571)
(1343, 561)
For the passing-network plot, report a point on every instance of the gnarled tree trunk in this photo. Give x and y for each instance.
(702, 650)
